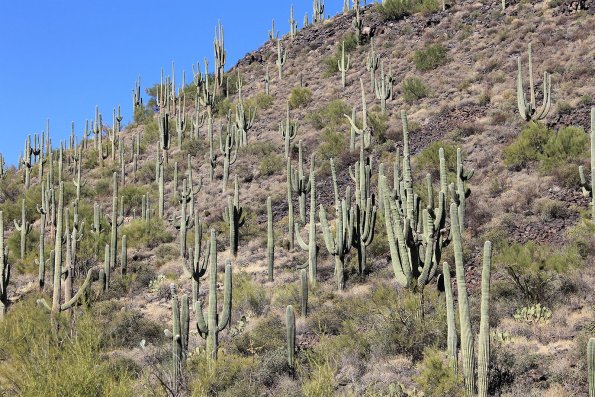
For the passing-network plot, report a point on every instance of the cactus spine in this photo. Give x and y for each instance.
(4, 270)
(529, 110)
(215, 322)
(270, 239)
(281, 58)
(343, 64)
(24, 228)
(589, 190)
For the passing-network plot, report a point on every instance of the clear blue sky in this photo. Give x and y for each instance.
(60, 58)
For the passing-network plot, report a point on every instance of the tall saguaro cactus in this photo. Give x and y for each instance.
(179, 334)
(591, 366)
(115, 221)
(589, 190)
(4, 270)
(215, 323)
(311, 245)
(220, 56)
(365, 131)
(290, 323)
(228, 145)
(281, 58)
(383, 87)
(270, 239)
(343, 64)
(459, 190)
(186, 223)
(235, 216)
(288, 130)
(195, 266)
(528, 109)
(24, 228)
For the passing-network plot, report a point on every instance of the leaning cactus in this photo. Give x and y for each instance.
(343, 64)
(589, 190)
(4, 270)
(215, 323)
(529, 110)
(235, 216)
(290, 323)
(178, 335)
(24, 228)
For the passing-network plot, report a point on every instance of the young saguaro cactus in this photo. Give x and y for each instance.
(281, 58)
(288, 130)
(4, 270)
(343, 64)
(215, 323)
(270, 240)
(589, 189)
(24, 228)
(179, 334)
(290, 323)
(528, 109)
(235, 216)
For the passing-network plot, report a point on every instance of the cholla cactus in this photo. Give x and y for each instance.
(529, 110)
(589, 189)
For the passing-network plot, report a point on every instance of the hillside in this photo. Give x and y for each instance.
(455, 78)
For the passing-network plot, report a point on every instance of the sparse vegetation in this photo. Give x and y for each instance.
(413, 89)
(430, 57)
(300, 97)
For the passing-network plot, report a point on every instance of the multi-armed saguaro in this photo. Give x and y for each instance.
(528, 109)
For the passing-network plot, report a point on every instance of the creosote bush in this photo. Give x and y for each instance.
(413, 89)
(331, 115)
(430, 57)
(299, 97)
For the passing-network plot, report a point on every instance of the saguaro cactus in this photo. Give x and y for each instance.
(483, 357)
(215, 322)
(451, 338)
(383, 87)
(41, 260)
(288, 130)
(179, 334)
(228, 144)
(304, 292)
(58, 307)
(270, 239)
(589, 190)
(591, 366)
(24, 228)
(365, 131)
(115, 221)
(529, 110)
(311, 245)
(372, 64)
(220, 56)
(459, 191)
(234, 215)
(318, 11)
(281, 58)
(293, 26)
(124, 255)
(300, 183)
(343, 64)
(164, 135)
(186, 223)
(195, 266)
(290, 322)
(4, 270)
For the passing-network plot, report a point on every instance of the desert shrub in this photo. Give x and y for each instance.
(396, 9)
(430, 57)
(299, 97)
(551, 209)
(194, 147)
(150, 135)
(248, 296)
(259, 101)
(27, 264)
(103, 187)
(133, 196)
(332, 146)
(379, 124)
(267, 334)
(537, 143)
(48, 358)
(143, 234)
(563, 107)
(223, 107)
(535, 269)
(436, 377)
(332, 115)
(142, 115)
(428, 160)
(259, 148)
(271, 164)
(126, 328)
(582, 238)
(413, 89)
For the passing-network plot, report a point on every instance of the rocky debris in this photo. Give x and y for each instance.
(569, 7)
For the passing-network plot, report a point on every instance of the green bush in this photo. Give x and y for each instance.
(537, 143)
(259, 148)
(413, 89)
(428, 160)
(436, 378)
(396, 9)
(379, 123)
(534, 269)
(248, 296)
(143, 234)
(430, 57)
(332, 146)
(271, 164)
(43, 357)
(259, 101)
(331, 116)
(299, 97)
